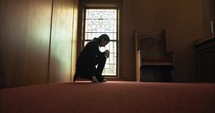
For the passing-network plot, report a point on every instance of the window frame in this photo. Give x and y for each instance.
(82, 17)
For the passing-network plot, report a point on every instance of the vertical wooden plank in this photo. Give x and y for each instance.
(74, 38)
(25, 28)
(61, 41)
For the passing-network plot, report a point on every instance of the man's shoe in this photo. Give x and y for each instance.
(104, 80)
(94, 79)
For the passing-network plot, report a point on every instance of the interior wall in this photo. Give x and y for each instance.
(61, 40)
(35, 41)
(185, 21)
(25, 33)
(29, 45)
(185, 25)
(126, 42)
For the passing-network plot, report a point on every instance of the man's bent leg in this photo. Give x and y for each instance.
(101, 63)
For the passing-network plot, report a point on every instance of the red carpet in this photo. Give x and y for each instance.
(110, 97)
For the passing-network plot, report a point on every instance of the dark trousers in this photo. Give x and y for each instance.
(100, 67)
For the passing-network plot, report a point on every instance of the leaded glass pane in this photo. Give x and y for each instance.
(90, 36)
(101, 20)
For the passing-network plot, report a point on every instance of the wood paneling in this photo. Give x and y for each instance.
(25, 29)
(36, 43)
(185, 22)
(61, 40)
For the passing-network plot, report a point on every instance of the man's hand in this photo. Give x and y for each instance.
(107, 53)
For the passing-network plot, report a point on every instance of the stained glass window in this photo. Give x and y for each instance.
(103, 21)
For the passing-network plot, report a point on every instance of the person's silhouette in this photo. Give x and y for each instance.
(91, 60)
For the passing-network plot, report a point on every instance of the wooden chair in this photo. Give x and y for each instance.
(153, 62)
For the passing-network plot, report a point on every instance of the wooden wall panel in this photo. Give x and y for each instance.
(126, 43)
(75, 38)
(61, 41)
(148, 15)
(25, 31)
(185, 21)
(36, 44)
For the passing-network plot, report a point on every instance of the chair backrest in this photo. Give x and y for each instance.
(150, 45)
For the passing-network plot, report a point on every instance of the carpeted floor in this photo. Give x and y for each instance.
(110, 97)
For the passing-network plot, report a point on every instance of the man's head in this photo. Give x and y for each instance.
(103, 40)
